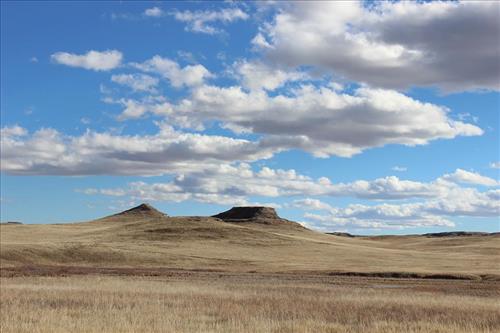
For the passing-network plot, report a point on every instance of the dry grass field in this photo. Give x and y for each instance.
(209, 302)
(144, 272)
(147, 239)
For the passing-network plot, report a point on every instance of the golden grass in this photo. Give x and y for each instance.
(246, 303)
(206, 243)
(156, 274)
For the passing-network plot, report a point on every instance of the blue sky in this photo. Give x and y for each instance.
(346, 117)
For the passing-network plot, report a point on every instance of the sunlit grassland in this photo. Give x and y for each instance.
(247, 303)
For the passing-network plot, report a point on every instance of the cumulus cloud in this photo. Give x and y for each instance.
(465, 202)
(93, 60)
(257, 75)
(438, 201)
(241, 182)
(191, 75)
(154, 12)
(202, 21)
(311, 204)
(453, 201)
(220, 184)
(12, 131)
(137, 82)
(323, 121)
(377, 217)
(451, 45)
(48, 152)
(319, 118)
(134, 109)
(463, 176)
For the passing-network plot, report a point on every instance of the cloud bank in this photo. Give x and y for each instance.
(446, 44)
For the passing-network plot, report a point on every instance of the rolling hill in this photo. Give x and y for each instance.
(243, 239)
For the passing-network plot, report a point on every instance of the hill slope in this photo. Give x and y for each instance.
(143, 237)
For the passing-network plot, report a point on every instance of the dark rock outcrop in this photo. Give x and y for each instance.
(255, 214)
(245, 213)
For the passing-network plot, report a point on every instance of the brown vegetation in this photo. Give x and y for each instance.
(210, 302)
(141, 271)
(145, 238)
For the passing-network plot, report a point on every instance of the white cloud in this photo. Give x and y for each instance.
(137, 82)
(388, 188)
(257, 75)
(13, 131)
(94, 60)
(190, 75)
(241, 180)
(464, 116)
(218, 184)
(463, 176)
(378, 217)
(34, 59)
(154, 12)
(311, 204)
(453, 202)
(259, 41)
(495, 165)
(465, 202)
(451, 45)
(85, 120)
(323, 121)
(133, 110)
(186, 56)
(202, 21)
(450, 200)
(48, 152)
(399, 168)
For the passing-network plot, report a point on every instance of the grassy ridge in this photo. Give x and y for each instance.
(144, 272)
(211, 244)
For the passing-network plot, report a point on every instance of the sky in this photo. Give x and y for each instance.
(362, 117)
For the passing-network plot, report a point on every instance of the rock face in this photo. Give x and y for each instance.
(263, 215)
(245, 213)
(143, 210)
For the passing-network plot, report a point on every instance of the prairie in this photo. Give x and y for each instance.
(148, 240)
(213, 302)
(141, 271)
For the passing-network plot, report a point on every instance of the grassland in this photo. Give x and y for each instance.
(209, 302)
(211, 244)
(151, 273)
